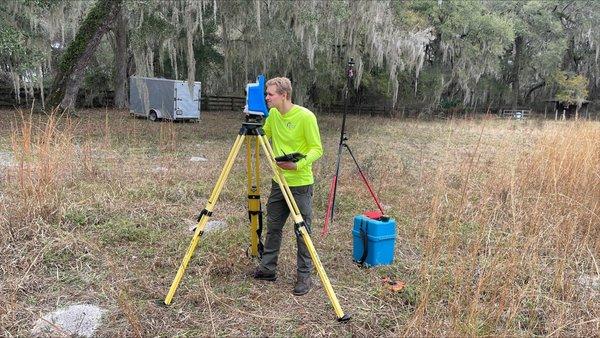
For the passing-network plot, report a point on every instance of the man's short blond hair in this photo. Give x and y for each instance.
(282, 85)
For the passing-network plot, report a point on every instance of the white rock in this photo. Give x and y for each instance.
(6, 159)
(591, 282)
(210, 226)
(214, 225)
(77, 320)
(198, 159)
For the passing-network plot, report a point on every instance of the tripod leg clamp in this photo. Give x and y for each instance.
(301, 224)
(202, 213)
(250, 213)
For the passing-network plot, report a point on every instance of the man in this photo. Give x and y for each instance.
(291, 128)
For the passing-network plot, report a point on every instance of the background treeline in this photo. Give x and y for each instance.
(451, 55)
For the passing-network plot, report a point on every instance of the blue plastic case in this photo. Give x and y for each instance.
(379, 237)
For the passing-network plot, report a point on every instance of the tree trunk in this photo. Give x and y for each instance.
(534, 88)
(569, 62)
(226, 54)
(77, 56)
(121, 58)
(515, 70)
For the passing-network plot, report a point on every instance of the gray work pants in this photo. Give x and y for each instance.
(277, 214)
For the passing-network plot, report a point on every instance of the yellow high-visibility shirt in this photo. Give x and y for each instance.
(295, 131)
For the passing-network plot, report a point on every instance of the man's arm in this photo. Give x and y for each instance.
(313, 140)
(267, 127)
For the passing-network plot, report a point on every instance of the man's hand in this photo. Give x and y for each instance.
(288, 165)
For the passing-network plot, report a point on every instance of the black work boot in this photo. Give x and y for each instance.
(262, 275)
(303, 285)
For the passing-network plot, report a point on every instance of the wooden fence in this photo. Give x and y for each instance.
(370, 109)
(89, 99)
(236, 103)
(8, 99)
(85, 98)
(517, 114)
(224, 103)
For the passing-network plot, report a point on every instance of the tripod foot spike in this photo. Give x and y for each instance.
(344, 318)
(160, 303)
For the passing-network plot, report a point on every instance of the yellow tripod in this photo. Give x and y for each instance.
(252, 134)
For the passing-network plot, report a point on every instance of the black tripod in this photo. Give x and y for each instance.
(343, 144)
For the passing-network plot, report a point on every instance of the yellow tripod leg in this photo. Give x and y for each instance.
(291, 202)
(205, 216)
(285, 187)
(254, 209)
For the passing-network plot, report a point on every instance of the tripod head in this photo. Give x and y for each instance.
(254, 119)
(350, 77)
(350, 70)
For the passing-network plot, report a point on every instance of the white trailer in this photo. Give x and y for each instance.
(167, 99)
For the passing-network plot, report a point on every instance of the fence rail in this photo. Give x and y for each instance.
(339, 108)
(84, 99)
(214, 102)
(8, 98)
(518, 114)
(208, 102)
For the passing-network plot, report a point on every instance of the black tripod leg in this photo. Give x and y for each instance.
(364, 179)
(332, 192)
(343, 138)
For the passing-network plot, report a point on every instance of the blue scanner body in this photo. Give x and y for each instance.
(255, 98)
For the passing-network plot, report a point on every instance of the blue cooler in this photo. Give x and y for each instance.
(378, 237)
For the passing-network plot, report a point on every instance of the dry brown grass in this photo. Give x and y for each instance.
(498, 228)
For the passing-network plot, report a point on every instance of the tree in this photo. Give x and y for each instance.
(581, 22)
(75, 59)
(470, 41)
(537, 47)
(175, 39)
(21, 47)
(431, 53)
(121, 58)
(311, 41)
(572, 89)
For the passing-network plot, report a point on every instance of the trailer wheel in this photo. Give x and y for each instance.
(152, 116)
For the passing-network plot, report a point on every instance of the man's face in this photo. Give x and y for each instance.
(274, 99)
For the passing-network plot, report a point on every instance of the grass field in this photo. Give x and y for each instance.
(498, 228)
